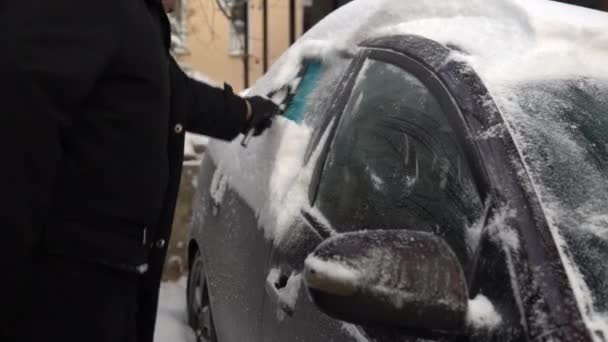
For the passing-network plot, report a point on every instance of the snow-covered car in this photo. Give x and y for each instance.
(441, 174)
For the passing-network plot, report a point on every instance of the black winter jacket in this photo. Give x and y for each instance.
(92, 131)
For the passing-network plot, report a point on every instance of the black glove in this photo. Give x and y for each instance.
(262, 112)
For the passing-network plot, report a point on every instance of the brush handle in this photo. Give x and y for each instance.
(247, 138)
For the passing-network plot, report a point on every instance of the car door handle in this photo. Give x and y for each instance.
(283, 289)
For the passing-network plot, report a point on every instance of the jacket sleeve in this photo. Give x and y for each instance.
(211, 111)
(51, 59)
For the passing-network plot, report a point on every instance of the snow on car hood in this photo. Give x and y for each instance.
(508, 42)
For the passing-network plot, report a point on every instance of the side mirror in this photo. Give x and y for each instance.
(395, 278)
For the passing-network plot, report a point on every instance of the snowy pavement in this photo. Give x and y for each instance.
(171, 323)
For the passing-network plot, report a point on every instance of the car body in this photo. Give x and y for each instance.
(420, 126)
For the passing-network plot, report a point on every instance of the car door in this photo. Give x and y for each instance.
(235, 254)
(232, 242)
(319, 104)
(394, 159)
(235, 237)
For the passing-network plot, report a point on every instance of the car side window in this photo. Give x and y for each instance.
(308, 97)
(395, 162)
(318, 109)
(306, 80)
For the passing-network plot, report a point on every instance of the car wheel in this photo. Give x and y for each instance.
(199, 310)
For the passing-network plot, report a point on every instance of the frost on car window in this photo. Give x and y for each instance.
(561, 128)
(276, 182)
(395, 162)
(317, 110)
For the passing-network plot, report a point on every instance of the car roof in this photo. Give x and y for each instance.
(503, 40)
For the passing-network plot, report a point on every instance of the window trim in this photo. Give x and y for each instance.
(334, 105)
(436, 86)
(331, 122)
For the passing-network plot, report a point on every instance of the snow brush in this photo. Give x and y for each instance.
(281, 97)
(291, 98)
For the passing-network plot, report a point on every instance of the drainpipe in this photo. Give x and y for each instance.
(292, 21)
(265, 35)
(246, 52)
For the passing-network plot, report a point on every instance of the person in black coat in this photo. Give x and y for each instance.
(94, 112)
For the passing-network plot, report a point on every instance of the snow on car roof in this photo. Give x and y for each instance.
(503, 39)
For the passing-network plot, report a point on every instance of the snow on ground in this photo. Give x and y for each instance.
(171, 322)
(193, 145)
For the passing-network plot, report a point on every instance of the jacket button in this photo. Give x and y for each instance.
(178, 128)
(160, 243)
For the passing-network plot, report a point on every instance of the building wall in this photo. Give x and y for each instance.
(208, 39)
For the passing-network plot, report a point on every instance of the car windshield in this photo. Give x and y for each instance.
(561, 128)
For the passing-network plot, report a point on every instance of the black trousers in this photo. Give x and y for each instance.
(75, 301)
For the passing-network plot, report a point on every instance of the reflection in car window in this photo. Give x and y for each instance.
(395, 162)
